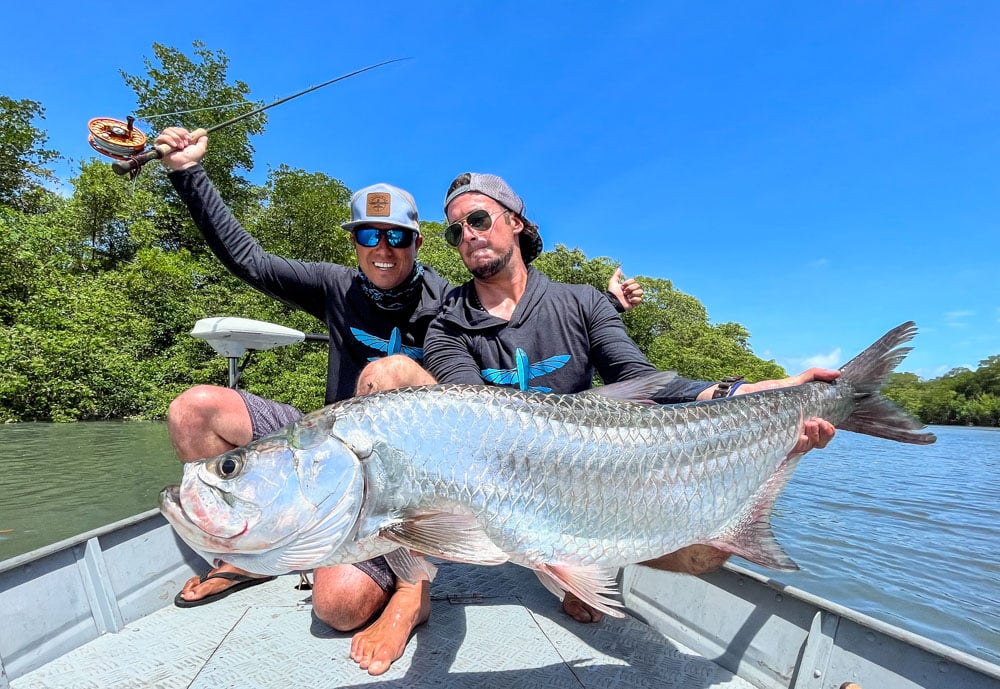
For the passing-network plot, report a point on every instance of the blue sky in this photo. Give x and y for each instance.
(818, 172)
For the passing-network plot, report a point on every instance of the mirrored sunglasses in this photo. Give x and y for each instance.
(397, 238)
(478, 221)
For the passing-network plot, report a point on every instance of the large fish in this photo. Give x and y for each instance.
(571, 486)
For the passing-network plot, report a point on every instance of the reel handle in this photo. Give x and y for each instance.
(130, 165)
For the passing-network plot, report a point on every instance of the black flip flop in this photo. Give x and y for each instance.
(242, 581)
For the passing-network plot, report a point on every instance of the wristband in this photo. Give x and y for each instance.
(727, 386)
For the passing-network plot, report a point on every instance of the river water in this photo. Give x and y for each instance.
(906, 534)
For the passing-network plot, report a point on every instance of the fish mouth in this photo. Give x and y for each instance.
(191, 530)
(170, 507)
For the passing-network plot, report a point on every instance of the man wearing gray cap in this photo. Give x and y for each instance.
(510, 325)
(382, 309)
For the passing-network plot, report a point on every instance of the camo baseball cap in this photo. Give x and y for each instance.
(498, 190)
(383, 203)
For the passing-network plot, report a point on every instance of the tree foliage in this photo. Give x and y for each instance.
(961, 396)
(301, 215)
(98, 291)
(113, 221)
(186, 91)
(23, 158)
(436, 252)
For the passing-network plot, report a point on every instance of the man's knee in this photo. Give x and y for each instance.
(195, 403)
(345, 598)
(207, 420)
(391, 372)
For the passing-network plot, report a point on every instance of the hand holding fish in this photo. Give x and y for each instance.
(816, 432)
(825, 375)
(185, 152)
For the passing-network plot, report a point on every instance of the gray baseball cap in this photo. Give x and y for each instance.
(498, 190)
(383, 203)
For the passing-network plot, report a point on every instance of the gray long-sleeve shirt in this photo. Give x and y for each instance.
(558, 335)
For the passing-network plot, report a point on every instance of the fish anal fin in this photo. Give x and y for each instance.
(751, 537)
(409, 567)
(592, 584)
(457, 537)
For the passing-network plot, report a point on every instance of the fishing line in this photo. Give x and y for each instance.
(124, 142)
(147, 118)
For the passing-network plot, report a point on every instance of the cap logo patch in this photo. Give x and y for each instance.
(378, 204)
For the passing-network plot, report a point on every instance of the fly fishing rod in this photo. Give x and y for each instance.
(123, 141)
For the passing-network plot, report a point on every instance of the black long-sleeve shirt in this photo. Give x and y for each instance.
(360, 330)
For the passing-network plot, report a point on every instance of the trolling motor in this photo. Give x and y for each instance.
(234, 337)
(240, 337)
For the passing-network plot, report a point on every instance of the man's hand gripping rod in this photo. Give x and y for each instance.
(132, 165)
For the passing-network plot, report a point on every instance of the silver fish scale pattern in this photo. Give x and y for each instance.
(583, 478)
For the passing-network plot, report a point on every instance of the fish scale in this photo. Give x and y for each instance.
(568, 484)
(572, 486)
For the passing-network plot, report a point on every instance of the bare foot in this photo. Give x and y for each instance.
(374, 649)
(580, 611)
(198, 588)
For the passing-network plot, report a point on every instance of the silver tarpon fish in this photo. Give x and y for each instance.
(571, 486)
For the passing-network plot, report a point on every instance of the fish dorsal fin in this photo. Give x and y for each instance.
(592, 584)
(751, 536)
(641, 389)
(457, 537)
(413, 569)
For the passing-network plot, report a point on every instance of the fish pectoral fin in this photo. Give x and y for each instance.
(406, 565)
(592, 584)
(641, 389)
(457, 537)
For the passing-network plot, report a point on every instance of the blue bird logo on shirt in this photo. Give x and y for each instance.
(394, 345)
(525, 371)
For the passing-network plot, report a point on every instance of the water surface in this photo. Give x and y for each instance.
(905, 533)
(60, 480)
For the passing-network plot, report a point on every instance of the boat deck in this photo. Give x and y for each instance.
(96, 611)
(489, 627)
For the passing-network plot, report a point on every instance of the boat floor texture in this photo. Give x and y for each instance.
(489, 627)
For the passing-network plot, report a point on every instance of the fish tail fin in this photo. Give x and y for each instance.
(867, 373)
(751, 537)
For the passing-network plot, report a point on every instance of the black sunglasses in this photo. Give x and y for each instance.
(397, 238)
(478, 221)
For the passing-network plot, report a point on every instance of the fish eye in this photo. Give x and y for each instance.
(227, 467)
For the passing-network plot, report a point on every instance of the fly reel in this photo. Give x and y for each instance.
(116, 139)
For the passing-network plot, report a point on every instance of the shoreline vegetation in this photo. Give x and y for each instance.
(100, 286)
